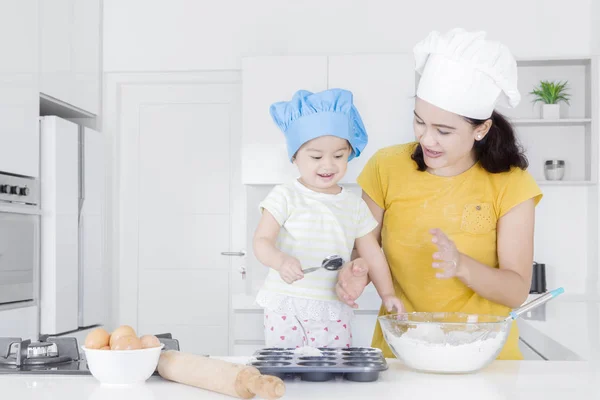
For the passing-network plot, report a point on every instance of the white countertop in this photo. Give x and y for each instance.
(564, 330)
(501, 380)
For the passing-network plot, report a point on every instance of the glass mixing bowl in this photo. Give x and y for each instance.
(449, 343)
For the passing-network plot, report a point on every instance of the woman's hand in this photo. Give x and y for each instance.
(447, 258)
(352, 280)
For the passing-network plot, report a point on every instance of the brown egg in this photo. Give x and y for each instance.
(123, 330)
(97, 339)
(126, 343)
(105, 348)
(149, 341)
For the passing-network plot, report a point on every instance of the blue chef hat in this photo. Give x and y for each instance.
(311, 115)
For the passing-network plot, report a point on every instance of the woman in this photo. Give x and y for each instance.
(455, 209)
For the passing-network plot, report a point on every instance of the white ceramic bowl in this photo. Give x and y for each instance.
(122, 367)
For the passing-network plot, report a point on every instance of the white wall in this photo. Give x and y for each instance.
(561, 237)
(595, 26)
(154, 35)
(20, 322)
(184, 35)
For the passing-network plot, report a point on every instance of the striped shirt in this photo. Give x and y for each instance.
(315, 226)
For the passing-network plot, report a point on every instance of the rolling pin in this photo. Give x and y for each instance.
(237, 380)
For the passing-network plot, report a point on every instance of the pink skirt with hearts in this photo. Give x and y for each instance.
(289, 331)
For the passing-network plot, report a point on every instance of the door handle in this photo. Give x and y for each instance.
(233, 253)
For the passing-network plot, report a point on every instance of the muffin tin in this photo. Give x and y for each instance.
(358, 364)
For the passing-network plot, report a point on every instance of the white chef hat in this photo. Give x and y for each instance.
(466, 74)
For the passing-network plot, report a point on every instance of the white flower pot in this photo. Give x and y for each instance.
(551, 111)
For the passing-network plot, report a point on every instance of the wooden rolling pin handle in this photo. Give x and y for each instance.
(236, 380)
(266, 386)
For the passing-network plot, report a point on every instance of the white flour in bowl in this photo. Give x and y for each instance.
(427, 348)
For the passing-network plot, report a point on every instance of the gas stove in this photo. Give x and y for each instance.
(52, 355)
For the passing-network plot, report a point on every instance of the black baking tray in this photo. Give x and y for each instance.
(358, 364)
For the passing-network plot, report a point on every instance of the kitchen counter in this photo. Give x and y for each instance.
(501, 380)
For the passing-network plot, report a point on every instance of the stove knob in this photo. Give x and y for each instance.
(3, 188)
(14, 189)
(24, 191)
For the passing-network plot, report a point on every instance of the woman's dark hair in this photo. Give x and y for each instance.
(497, 152)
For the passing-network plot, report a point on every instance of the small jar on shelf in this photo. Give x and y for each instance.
(554, 170)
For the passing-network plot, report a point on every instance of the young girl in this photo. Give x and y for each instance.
(312, 219)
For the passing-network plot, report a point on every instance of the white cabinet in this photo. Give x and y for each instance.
(363, 327)
(19, 102)
(86, 54)
(528, 353)
(383, 88)
(70, 52)
(56, 31)
(266, 80)
(246, 350)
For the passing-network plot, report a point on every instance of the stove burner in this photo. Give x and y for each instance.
(22, 352)
(41, 349)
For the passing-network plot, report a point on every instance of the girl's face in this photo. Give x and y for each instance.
(447, 139)
(322, 162)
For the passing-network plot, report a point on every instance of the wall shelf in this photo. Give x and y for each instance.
(542, 182)
(565, 121)
(572, 138)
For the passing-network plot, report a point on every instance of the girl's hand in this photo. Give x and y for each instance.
(391, 302)
(448, 257)
(290, 269)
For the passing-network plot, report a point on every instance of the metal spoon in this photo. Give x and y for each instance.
(331, 263)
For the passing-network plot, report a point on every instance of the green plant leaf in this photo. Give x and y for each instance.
(550, 92)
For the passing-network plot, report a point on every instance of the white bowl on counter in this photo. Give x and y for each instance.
(122, 367)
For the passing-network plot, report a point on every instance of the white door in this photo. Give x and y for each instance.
(176, 188)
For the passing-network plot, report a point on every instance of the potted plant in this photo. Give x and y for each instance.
(551, 94)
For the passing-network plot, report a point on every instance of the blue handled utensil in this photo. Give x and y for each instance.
(514, 314)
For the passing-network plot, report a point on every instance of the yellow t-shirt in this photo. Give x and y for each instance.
(465, 207)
